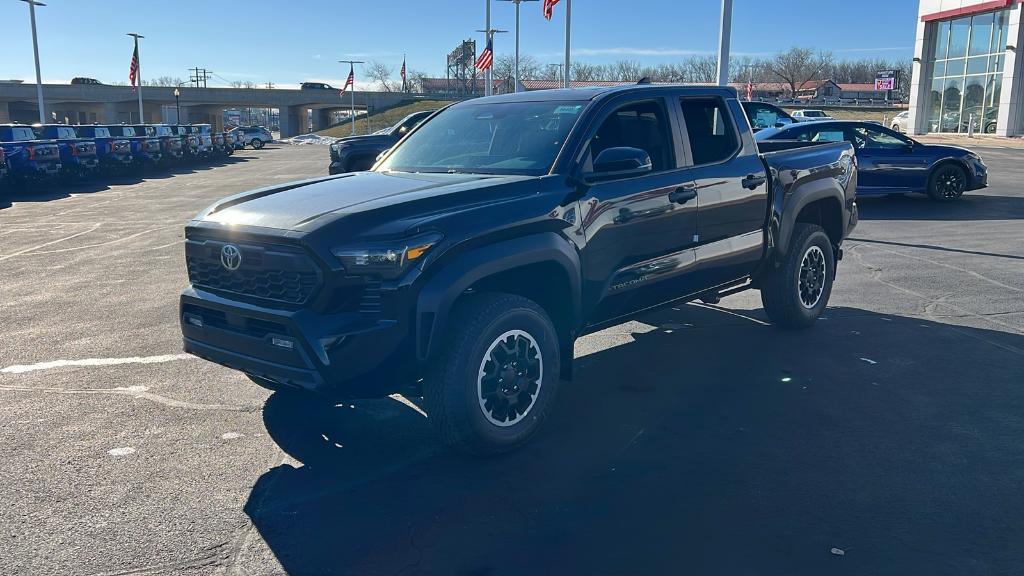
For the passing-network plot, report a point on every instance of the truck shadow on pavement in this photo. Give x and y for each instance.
(701, 441)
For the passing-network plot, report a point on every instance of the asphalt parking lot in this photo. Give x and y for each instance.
(697, 440)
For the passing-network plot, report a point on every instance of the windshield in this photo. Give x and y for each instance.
(507, 138)
(814, 113)
(163, 131)
(100, 133)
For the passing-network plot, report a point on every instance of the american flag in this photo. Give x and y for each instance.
(486, 59)
(403, 73)
(549, 8)
(351, 82)
(133, 71)
(750, 90)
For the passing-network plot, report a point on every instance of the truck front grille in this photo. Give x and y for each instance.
(267, 272)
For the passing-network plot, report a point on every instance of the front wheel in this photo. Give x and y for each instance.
(256, 143)
(895, 127)
(796, 292)
(947, 183)
(496, 379)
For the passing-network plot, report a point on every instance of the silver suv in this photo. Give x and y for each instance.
(255, 136)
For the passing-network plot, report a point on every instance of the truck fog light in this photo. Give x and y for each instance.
(194, 320)
(283, 343)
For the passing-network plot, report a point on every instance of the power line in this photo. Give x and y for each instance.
(199, 76)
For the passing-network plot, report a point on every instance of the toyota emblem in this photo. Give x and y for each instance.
(231, 257)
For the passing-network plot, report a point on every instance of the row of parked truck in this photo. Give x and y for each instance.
(42, 152)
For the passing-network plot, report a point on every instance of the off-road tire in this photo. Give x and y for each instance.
(785, 294)
(455, 389)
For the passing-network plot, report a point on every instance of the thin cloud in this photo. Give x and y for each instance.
(882, 49)
(630, 51)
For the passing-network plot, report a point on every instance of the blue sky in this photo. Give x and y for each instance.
(287, 42)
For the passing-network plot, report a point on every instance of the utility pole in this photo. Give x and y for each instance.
(724, 39)
(559, 77)
(517, 3)
(352, 73)
(35, 48)
(138, 75)
(200, 76)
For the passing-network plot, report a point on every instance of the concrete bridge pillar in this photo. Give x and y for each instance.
(109, 114)
(321, 119)
(290, 120)
(5, 113)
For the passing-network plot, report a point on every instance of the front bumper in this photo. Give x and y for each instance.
(978, 176)
(336, 168)
(345, 355)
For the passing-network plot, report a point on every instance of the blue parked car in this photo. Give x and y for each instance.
(77, 155)
(890, 162)
(145, 149)
(28, 159)
(115, 154)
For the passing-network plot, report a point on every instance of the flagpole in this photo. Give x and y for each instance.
(568, 31)
(138, 75)
(487, 73)
(352, 74)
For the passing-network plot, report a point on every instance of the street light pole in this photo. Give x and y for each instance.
(177, 104)
(517, 3)
(35, 48)
(138, 75)
(724, 38)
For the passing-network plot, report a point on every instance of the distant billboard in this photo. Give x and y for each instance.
(886, 80)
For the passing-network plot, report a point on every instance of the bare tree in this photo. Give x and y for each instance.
(380, 73)
(243, 84)
(414, 80)
(585, 72)
(799, 66)
(627, 71)
(702, 68)
(164, 81)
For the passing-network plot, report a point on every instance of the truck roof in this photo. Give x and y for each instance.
(593, 93)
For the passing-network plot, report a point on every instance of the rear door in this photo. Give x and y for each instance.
(639, 230)
(731, 185)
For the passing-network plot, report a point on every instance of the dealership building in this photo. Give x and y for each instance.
(966, 68)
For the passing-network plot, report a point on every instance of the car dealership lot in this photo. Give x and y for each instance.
(697, 438)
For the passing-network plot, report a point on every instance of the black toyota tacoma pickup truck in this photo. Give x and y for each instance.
(465, 265)
(358, 153)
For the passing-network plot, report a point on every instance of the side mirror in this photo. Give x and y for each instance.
(620, 162)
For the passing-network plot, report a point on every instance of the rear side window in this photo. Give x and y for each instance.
(762, 116)
(709, 130)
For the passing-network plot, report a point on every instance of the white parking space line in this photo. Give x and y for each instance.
(22, 368)
(50, 243)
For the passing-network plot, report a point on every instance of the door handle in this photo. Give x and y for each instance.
(751, 181)
(682, 195)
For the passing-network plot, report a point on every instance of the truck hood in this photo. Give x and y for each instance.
(305, 205)
(369, 139)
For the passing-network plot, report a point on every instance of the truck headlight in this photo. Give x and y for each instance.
(387, 260)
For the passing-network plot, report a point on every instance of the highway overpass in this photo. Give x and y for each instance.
(86, 103)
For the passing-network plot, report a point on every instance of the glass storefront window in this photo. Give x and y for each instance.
(981, 34)
(967, 72)
(961, 29)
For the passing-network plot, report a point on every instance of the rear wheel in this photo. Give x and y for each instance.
(496, 379)
(797, 291)
(947, 183)
(256, 143)
(895, 127)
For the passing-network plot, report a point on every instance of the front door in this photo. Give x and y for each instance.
(886, 161)
(639, 230)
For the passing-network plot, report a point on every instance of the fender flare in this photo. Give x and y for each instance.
(803, 195)
(456, 275)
